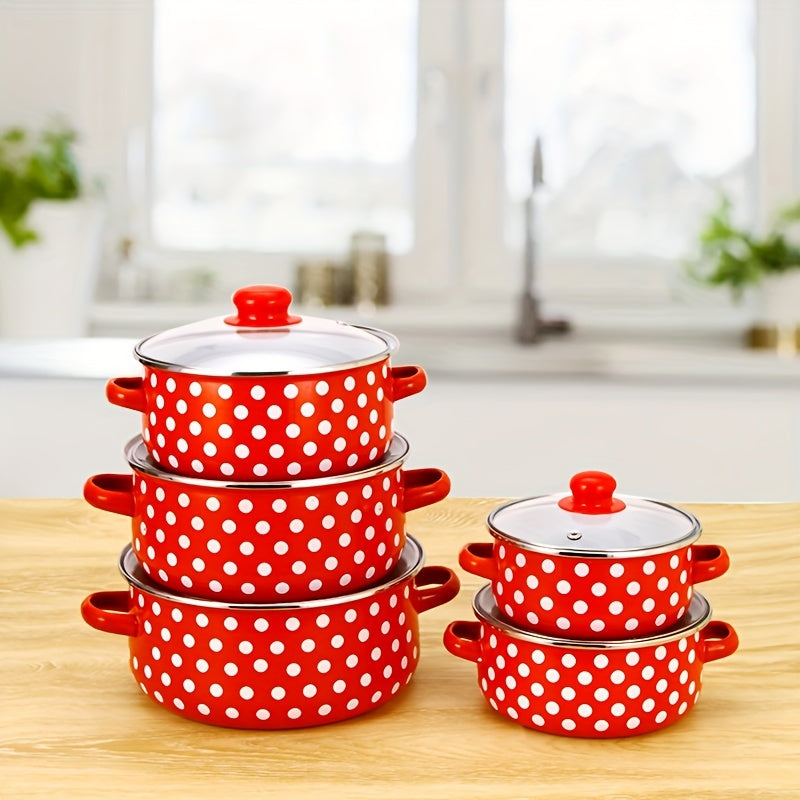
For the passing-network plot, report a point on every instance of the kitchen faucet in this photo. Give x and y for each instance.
(531, 327)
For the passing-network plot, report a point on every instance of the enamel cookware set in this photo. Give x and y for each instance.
(591, 625)
(271, 579)
(272, 583)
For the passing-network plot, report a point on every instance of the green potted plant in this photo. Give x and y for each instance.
(50, 237)
(734, 257)
(34, 167)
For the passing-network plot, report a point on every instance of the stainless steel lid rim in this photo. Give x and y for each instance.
(640, 552)
(696, 618)
(215, 349)
(139, 460)
(411, 561)
(561, 534)
(166, 366)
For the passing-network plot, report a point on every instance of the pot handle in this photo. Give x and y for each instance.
(423, 487)
(407, 381)
(111, 612)
(709, 561)
(432, 587)
(478, 558)
(126, 392)
(718, 640)
(463, 639)
(110, 492)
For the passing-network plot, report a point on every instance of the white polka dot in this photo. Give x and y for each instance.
(258, 393)
(242, 451)
(290, 391)
(209, 410)
(548, 565)
(275, 450)
(598, 589)
(649, 567)
(616, 570)
(225, 431)
(563, 587)
(581, 570)
(258, 432)
(195, 389)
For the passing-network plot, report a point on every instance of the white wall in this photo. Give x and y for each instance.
(501, 438)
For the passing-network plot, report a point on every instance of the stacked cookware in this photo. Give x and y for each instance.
(272, 583)
(591, 625)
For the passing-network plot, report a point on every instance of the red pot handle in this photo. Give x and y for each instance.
(432, 587)
(407, 381)
(463, 639)
(110, 492)
(478, 558)
(423, 487)
(718, 640)
(709, 561)
(126, 392)
(111, 612)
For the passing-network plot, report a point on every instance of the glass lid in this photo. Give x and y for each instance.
(263, 338)
(696, 617)
(593, 521)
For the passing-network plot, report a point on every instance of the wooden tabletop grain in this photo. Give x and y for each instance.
(74, 725)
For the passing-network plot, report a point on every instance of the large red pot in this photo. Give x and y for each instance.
(273, 666)
(268, 542)
(265, 394)
(592, 565)
(594, 689)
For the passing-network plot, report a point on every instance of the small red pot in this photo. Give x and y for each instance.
(265, 394)
(273, 666)
(593, 565)
(590, 689)
(268, 542)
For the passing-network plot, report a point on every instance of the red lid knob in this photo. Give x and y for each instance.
(592, 493)
(262, 307)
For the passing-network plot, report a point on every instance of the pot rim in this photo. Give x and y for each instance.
(630, 552)
(145, 464)
(696, 618)
(134, 574)
(391, 343)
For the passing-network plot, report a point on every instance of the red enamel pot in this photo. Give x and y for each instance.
(587, 688)
(593, 565)
(265, 394)
(268, 542)
(273, 666)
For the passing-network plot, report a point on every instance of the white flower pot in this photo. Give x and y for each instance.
(46, 288)
(780, 300)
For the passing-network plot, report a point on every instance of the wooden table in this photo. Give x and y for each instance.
(73, 723)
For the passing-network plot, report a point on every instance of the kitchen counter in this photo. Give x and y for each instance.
(73, 723)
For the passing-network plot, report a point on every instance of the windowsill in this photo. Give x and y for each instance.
(458, 341)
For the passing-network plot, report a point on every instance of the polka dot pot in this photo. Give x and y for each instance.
(273, 666)
(564, 571)
(590, 689)
(268, 542)
(265, 395)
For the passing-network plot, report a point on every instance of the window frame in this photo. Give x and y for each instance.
(459, 201)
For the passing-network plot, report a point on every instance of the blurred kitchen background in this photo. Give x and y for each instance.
(512, 187)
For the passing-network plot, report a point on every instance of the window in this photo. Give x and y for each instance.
(282, 126)
(278, 128)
